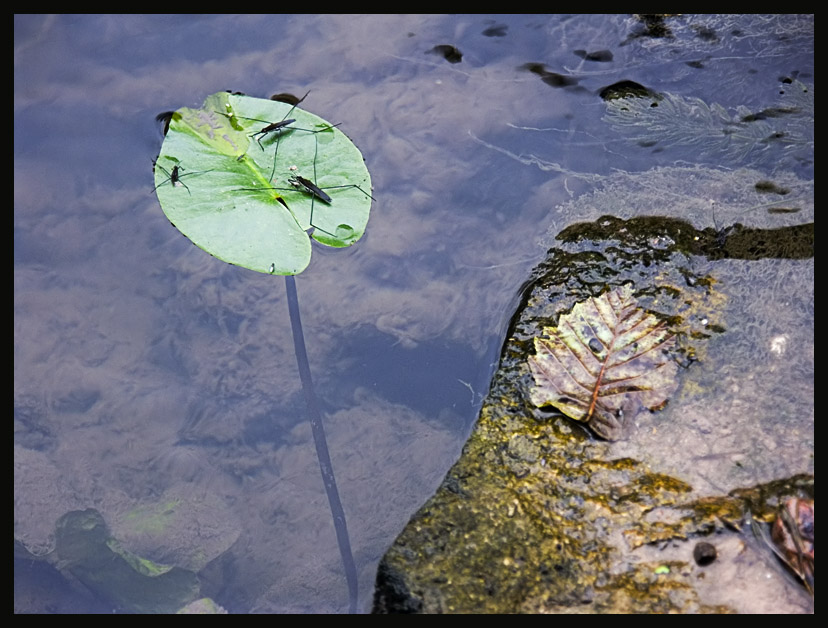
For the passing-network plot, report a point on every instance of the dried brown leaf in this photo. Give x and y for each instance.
(607, 361)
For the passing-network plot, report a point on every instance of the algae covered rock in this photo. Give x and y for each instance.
(89, 552)
(138, 555)
(539, 516)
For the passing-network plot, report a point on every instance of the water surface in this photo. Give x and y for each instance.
(145, 368)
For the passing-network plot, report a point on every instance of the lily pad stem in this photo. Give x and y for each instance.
(321, 443)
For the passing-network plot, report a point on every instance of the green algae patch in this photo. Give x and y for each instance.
(204, 606)
(537, 516)
(530, 530)
(179, 528)
(155, 519)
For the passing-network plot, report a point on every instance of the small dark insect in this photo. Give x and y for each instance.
(306, 185)
(285, 125)
(282, 125)
(310, 187)
(595, 345)
(174, 176)
(271, 128)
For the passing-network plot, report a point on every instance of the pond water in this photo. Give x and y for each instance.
(147, 371)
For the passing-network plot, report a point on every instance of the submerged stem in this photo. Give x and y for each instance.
(321, 443)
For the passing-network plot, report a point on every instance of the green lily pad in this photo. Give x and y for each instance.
(213, 180)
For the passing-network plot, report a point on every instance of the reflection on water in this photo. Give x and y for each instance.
(143, 366)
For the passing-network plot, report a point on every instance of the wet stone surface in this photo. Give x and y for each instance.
(540, 516)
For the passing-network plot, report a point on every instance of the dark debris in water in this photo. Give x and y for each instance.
(449, 53)
(705, 33)
(651, 25)
(784, 210)
(704, 553)
(497, 30)
(553, 79)
(600, 56)
(770, 112)
(769, 187)
(164, 118)
(740, 242)
(287, 98)
(627, 89)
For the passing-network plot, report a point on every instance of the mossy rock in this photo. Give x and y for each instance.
(540, 516)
